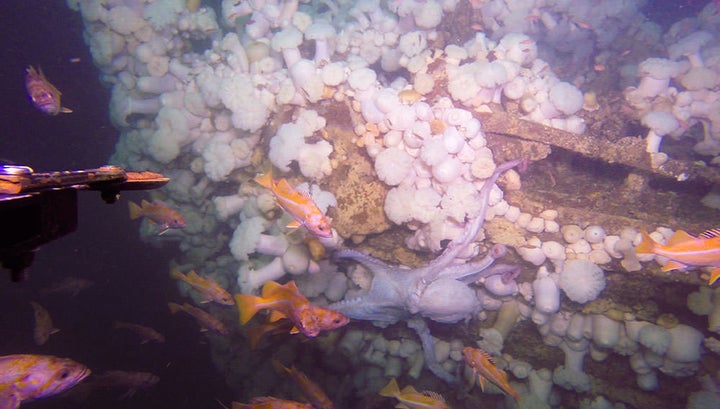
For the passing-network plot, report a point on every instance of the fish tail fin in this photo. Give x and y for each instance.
(714, 275)
(647, 245)
(265, 180)
(271, 288)
(135, 210)
(248, 306)
(391, 389)
(174, 307)
(177, 274)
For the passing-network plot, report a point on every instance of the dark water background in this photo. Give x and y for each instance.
(131, 280)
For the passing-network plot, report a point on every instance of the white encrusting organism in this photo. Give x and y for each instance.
(581, 280)
(202, 98)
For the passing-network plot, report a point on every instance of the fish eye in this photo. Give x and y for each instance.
(64, 374)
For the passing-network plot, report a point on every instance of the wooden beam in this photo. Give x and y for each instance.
(629, 151)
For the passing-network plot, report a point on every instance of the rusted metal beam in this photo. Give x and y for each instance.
(629, 151)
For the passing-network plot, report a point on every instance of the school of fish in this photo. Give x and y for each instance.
(291, 312)
(27, 377)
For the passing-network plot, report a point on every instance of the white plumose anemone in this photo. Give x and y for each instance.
(581, 280)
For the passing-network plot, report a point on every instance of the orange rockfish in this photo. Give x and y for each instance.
(482, 365)
(208, 287)
(299, 204)
(410, 398)
(146, 334)
(159, 213)
(286, 301)
(684, 250)
(43, 94)
(312, 392)
(207, 322)
(43, 325)
(268, 402)
(24, 378)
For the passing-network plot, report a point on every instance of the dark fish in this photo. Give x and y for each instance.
(42, 93)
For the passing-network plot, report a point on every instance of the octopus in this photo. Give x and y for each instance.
(438, 291)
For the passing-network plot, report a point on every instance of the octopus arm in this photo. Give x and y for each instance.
(475, 269)
(367, 309)
(428, 345)
(457, 246)
(370, 262)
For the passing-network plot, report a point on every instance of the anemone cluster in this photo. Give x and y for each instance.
(212, 96)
